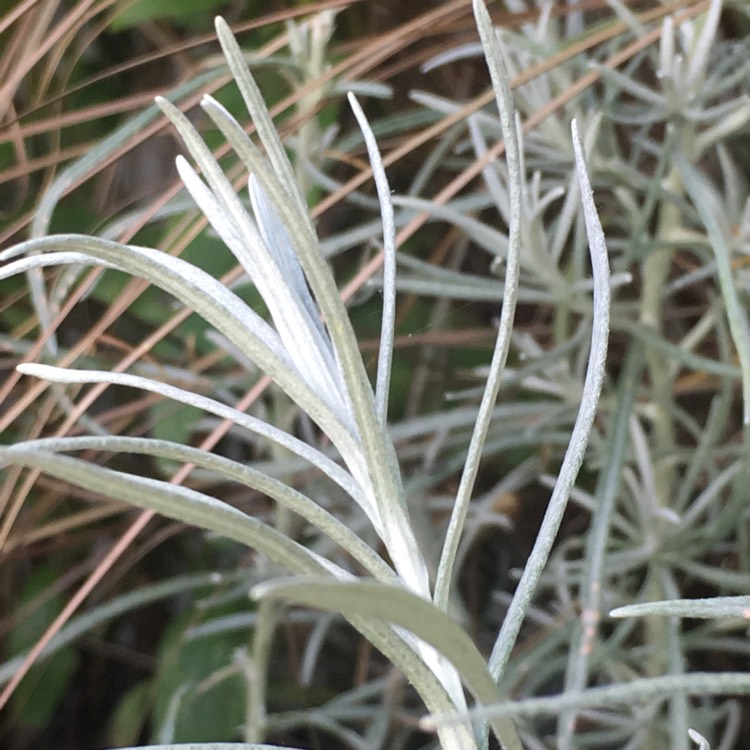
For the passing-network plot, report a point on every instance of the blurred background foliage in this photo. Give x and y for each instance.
(161, 657)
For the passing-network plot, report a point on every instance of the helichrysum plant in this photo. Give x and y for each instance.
(386, 589)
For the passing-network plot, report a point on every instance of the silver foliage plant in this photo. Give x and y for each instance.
(309, 349)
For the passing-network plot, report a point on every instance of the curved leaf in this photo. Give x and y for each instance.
(213, 301)
(176, 502)
(273, 488)
(371, 600)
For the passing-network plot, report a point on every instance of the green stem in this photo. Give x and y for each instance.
(655, 274)
(663, 636)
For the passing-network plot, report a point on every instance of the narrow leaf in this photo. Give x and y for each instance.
(574, 455)
(385, 354)
(501, 85)
(705, 609)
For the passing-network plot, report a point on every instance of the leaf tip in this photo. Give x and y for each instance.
(31, 368)
(165, 106)
(574, 129)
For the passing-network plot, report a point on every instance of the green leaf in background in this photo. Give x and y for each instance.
(180, 12)
(38, 696)
(130, 715)
(174, 422)
(199, 698)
